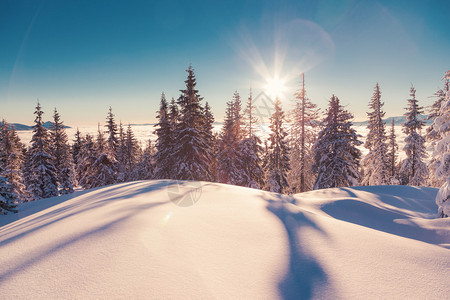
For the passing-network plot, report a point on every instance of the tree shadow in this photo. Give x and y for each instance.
(355, 210)
(61, 245)
(77, 205)
(305, 274)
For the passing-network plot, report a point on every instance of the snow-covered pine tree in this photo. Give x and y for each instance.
(210, 138)
(278, 164)
(62, 158)
(336, 156)
(120, 156)
(43, 182)
(132, 154)
(433, 135)
(86, 158)
(146, 167)
(111, 130)
(12, 189)
(174, 114)
(375, 162)
(164, 163)
(103, 171)
(441, 125)
(100, 142)
(190, 151)
(413, 169)
(251, 149)
(229, 157)
(303, 133)
(76, 145)
(392, 149)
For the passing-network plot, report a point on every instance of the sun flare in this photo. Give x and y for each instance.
(275, 87)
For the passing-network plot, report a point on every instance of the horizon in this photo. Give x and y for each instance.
(82, 59)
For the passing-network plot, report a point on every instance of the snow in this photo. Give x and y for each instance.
(131, 240)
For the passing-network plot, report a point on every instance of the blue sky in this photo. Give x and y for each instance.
(84, 56)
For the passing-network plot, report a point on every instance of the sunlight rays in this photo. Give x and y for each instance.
(296, 47)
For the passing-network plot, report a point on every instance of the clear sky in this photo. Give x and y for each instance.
(84, 56)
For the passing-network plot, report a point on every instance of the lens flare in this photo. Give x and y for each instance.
(275, 87)
(279, 54)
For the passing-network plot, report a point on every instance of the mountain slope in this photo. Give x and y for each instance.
(146, 240)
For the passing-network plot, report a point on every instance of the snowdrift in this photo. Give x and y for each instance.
(198, 240)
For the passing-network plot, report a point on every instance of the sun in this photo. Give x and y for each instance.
(275, 87)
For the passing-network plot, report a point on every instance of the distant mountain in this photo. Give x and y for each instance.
(48, 124)
(397, 121)
(21, 127)
(143, 124)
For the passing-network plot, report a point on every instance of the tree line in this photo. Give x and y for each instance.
(314, 151)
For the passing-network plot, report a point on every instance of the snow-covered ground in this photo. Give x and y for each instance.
(163, 239)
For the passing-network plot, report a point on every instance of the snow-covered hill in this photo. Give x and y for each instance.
(163, 239)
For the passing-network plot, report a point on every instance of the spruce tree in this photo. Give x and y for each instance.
(392, 149)
(132, 154)
(62, 158)
(100, 141)
(433, 135)
(413, 169)
(251, 149)
(103, 171)
(174, 115)
(86, 158)
(303, 134)
(145, 168)
(12, 189)
(120, 156)
(441, 153)
(164, 143)
(229, 157)
(111, 130)
(278, 164)
(375, 162)
(210, 140)
(336, 156)
(43, 181)
(76, 147)
(190, 146)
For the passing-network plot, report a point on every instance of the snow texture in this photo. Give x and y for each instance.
(130, 240)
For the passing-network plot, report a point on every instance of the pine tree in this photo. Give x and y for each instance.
(111, 130)
(375, 162)
(441, 126)
(278, 153)
(100, 142)
(120, 157)
(392, 149)
(229, 157)
(145, 168)
(132, 154)
(303, 134)
(62, 158)
(12, 189)
(174, 115)
(164, 143)
(336, 156)
(433, 135)
(76, 147)
(86, 158)
(413, 169)
(210, 138)
(251, 149)
(190, 146)
(103, 171)
(43, 182)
